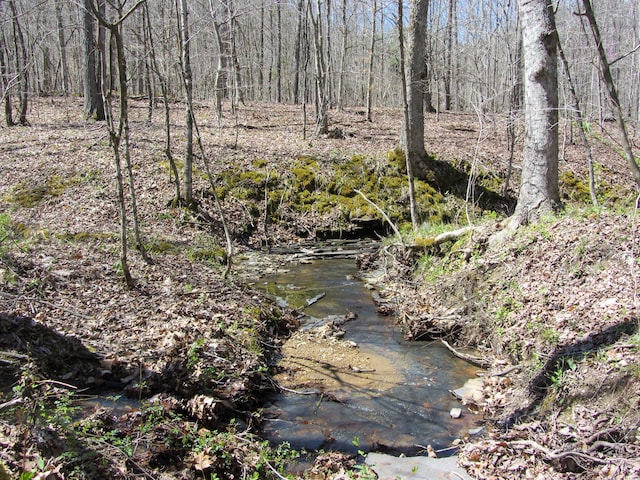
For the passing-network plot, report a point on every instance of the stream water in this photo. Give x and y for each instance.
(405, 404)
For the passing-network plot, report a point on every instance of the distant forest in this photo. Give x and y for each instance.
(274, 51)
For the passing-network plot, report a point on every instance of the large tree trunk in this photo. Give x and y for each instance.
(414, 131)
(539, 187)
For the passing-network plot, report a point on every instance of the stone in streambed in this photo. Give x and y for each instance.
(388, 467)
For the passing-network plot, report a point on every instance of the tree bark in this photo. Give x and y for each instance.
(62, 43)
(22, 67)
(322, 102)
(188, 92)
(93, 102)
(539, 186)
(407, 115)
(414, 131)
(372, 47)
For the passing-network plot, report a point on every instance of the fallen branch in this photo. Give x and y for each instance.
(506, 371)
(10, 403)
(451, 236)
(477, 361)
(555, 455)
(384, 215)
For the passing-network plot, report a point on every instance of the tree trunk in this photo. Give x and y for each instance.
(5, 83)
(322, 102)
(343, 56)
(372, 47)
(122, 132)
(22, 67)
(613, 93)
(581, 124)
(279, 53)
(93, 103)
(220, 79)
(164, 88)
(296, 51)
(188, 92)
(64, 64)
(261, 54)
(448, 69)
(407, 114)
(414, 131)
(539, 186)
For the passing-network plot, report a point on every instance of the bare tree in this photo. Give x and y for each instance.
(164, 88)
(322, 97)
(119, 133)
(539, 186)
(93, 102)
(22, 67)
(612, 91)
(581, 123)
(62, 44)
(372, 48)
(187, 77)
(451, 41)
(406, 108)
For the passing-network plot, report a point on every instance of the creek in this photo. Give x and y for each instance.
(399, 404)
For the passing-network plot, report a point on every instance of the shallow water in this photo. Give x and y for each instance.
(402, 406)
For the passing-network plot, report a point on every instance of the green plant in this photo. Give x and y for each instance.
(551, 335)
(193, 355)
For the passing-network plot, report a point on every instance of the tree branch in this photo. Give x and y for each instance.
(384, 215)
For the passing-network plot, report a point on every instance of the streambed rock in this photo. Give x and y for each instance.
(388, 467)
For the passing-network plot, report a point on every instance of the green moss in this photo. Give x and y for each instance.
(397, 160)
(573, 188)
(214, 255)
(158, 245)
(84, 236)
(28, 195)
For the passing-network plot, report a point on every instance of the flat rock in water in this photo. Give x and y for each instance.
(471, 392)
(388, 467)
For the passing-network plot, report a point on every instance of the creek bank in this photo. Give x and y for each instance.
(554, 310)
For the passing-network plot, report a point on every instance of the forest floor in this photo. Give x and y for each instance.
(553, 311)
